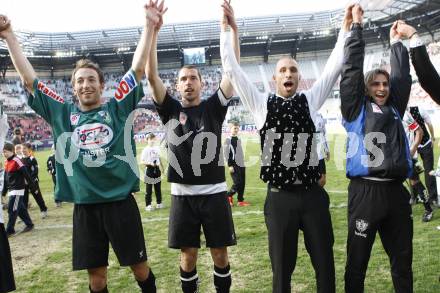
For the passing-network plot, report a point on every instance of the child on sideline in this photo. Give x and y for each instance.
(32, 166)
(151, 159)
(15, 176)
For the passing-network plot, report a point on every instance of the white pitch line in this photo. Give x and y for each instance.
(163, 219)
(329, 191)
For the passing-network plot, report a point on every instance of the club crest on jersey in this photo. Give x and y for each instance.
(105, 116)
(182, 118)
(74, 118)
(92, 136)
(126, 85)
(361, 227)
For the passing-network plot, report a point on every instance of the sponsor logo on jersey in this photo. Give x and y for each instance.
(361, 227)
(92, 136)
(126, 86)
(50, 93)
(74, 118)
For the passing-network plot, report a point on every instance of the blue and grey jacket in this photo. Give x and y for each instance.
(377, 145)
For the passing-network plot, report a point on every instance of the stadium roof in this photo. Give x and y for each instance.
(260, 36)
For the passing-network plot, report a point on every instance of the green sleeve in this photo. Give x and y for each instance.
(45, 101)
(128, 93)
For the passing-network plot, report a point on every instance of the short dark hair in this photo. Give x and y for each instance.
(9, 147)
(190, 67)
(27, 145)
(235, 123)
(86, 63)
(370, 75)
(151, 135)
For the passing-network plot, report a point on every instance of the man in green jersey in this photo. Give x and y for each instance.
(95, 157)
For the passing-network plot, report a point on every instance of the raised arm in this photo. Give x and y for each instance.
(322, 88)
(400, 78)
(21, 63)
(252, 99)
(352, 87)
(153, 13)
(228, 20)
(428, 76)
(151, 69)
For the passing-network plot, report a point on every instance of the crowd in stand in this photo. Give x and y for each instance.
(36, 128)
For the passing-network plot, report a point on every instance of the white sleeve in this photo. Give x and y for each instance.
(4, 127)
(322, 88)
(425, 116)
(144, 156)
(252, 99)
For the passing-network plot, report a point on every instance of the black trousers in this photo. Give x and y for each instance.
(382, 207)
(285, 214)
(7, 283)
(149, 193)
(239, 182)
(37, 196)
(427, 155)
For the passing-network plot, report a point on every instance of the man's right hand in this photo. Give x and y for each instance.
(5, 26)
(358, 13)
(405, 30)
(154, 13)
(231, 169)
(228, 18)
(348, 18)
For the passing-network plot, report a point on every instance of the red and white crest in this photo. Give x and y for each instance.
(182, 118)
(74, 118)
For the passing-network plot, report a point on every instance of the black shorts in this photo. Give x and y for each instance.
(321, 167)
(97, 225)
(211, 212)
(7, 282)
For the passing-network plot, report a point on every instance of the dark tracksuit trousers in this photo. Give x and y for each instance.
(287, 212)
(427, 155)
(16, 208)
(37, 196)
(375, 206)
(239, 182)
(7, 283)
(152, 173)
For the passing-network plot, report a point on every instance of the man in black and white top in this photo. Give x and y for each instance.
(235, 156)
(295, 201)
(197, 176)
(425, 149)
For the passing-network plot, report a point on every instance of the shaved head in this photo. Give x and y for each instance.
(283, 59)
(286, 76)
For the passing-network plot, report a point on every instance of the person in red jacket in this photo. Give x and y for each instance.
(15, 175)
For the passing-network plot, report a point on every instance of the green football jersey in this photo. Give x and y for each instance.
(95, 150)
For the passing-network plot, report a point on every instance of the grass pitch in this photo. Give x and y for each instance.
(42, 258)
